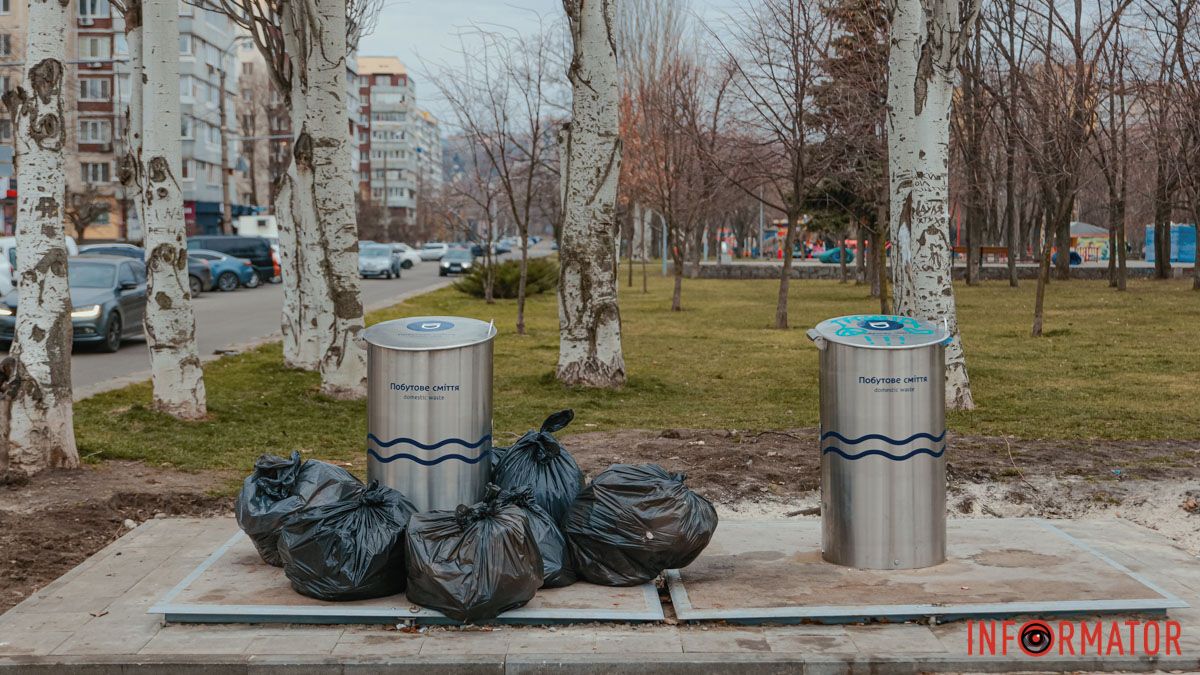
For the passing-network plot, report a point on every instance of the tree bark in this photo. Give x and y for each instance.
(41, 431)
(589, 318)
(1039, 302)
(785, 275)
(176, 372)
(860, 261)
(322, 163)
(921, 66)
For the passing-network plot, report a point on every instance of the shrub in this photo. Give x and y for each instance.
(542, 277)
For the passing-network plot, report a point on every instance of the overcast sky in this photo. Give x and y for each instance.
(423, 33)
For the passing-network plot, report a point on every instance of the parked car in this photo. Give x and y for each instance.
(456, 261)
(108, 301)
(433, 250)
(834, 255)
(376, 260)
(8, 245)
(255, 249)
(501, 247)
(200, 276)
(408, 255)
(227, 271)
(126, 250)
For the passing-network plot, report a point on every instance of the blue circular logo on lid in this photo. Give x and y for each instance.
(429, 326)
(881, 324)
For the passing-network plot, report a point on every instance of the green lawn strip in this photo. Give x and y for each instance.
(1120, 366)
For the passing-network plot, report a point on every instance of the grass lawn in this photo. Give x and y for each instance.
(1120, 366)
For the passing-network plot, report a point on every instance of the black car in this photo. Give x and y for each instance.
(200, 277)
(108, 301)
(255, 249)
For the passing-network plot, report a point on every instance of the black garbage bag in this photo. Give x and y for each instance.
(635, 520)
(474, 563)
(539, 461)
(557, 570)
(351, 549)
(277, 488)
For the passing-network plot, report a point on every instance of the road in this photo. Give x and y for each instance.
(225, 320)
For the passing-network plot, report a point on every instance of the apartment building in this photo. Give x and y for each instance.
(97, 96)
(400, 144)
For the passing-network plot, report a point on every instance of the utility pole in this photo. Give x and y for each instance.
(226, 198)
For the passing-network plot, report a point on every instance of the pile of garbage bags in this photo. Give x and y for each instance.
(539, 525)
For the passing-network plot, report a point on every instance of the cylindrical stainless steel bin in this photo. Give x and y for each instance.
(429, 408)
(883, 441)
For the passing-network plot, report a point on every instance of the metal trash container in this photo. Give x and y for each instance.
(429, 408)
(883, 441)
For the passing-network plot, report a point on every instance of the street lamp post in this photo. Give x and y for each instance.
(226, 170)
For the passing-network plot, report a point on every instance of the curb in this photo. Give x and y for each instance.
(275, 336)
(587, 664)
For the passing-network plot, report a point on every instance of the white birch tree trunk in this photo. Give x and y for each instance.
(176, 372)
(296, 215)
(41, 431)
(323, 188)
(925, 39)
(588, 315)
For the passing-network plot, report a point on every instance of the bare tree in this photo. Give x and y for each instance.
(84, 208)
(304, 46)
(40, 430)
(589, 318)
(501, 100)
(1183, 19)
(776, 51)
(1111, 147)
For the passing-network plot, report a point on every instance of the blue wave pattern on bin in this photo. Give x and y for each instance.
(372, 438)
(938, 449)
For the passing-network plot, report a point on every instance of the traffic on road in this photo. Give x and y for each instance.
(234, 282)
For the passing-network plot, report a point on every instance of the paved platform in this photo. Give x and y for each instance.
(233, 585)
(95, 619)
(755, 571)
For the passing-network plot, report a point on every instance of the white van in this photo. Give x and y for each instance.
(7, 244)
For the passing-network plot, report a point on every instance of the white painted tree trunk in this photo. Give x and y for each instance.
(40, 430)
(327, 250)
(175, 368)
(296, 216)
(588, 315)
(921, 64)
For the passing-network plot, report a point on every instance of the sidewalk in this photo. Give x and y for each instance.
(95, 619)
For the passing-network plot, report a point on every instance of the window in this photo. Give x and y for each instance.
(186, 87)
(5, 6)
(185, 8)
(94, 89)
(5, 83)
(6, 130)
(94, 47)
(95, 131)
(5, 44)
(120, 44)
(248, 68)
(214, 135)
(125, 276)
(213, 174)
(124, 89)
(185, 127)
(93, 9)
(188, 172)
(185, 43)
(95, 172)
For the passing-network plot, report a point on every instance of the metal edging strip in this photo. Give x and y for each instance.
(686, 612)
(157, 608)
(202, 613)
(1167, 595)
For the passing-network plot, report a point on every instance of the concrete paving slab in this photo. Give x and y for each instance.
(233, 585)
(773, 571)
(44, 635)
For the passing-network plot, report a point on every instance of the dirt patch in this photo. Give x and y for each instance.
(54, 521)
(731, 466)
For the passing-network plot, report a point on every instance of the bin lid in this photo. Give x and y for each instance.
(881, 331)
(423, 333)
